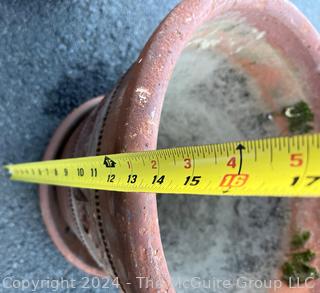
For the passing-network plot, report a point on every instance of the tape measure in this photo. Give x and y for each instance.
(282, 166)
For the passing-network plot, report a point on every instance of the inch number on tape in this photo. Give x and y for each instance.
(282, 166)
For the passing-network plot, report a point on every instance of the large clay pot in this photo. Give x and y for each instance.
(270, 51)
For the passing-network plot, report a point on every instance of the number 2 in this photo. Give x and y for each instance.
(154, 164)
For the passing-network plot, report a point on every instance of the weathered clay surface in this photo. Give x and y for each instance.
(220, 65)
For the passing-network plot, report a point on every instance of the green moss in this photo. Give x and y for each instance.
(303, 257)
(300, 118)
(300, 239)
(299, 272)
(298, 269)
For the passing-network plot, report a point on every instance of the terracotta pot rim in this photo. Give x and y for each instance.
(155, 65)
(134, 120)
(46, 192)
(156, 81)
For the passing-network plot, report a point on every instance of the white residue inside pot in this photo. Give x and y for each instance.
(210, 100)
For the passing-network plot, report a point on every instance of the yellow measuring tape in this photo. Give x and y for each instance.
(283, 166)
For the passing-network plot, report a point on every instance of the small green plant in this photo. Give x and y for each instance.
(300, 239)
(295, 273)
(300, 118)
(298, 269)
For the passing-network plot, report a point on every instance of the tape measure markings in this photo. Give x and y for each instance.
(285, 166)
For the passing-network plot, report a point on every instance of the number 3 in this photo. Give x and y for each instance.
(187, 163)
(296, 160)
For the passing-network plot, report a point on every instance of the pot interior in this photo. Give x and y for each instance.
(230, 83)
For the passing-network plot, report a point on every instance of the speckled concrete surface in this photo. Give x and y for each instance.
(55, 55)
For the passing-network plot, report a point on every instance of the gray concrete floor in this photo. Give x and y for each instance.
(55, 55)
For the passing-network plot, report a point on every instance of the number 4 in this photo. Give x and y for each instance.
(232, 162)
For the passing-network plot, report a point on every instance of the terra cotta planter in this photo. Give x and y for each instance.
(244, 61)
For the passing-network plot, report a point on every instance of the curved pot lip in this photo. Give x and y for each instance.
(155, 64)
(152, 71)
(46, 192)
(149, 79)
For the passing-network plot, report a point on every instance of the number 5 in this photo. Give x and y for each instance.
(296, 160)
